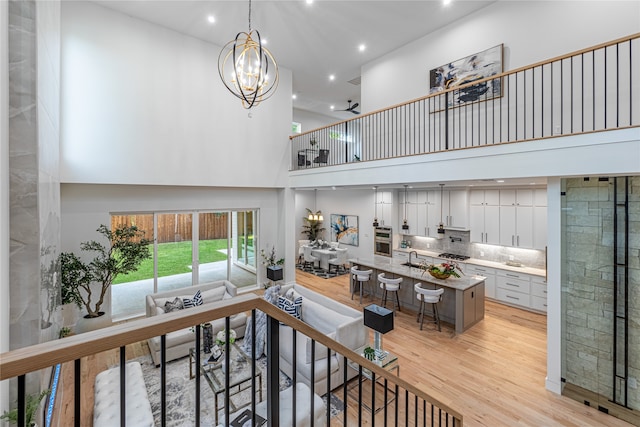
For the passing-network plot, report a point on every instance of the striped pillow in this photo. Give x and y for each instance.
(192, 302)
(293, 308)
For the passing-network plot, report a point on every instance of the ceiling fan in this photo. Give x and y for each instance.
(351, 108)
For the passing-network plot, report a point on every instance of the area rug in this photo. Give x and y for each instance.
(323, 273)
(180, 393)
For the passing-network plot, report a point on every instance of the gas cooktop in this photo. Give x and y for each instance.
(455, 257)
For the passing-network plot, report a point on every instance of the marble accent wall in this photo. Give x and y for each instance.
(587, 304)
(34, 188)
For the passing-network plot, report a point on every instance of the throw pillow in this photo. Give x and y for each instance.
(174, 305)
(213, 295)
(193, 302)
(293, 308)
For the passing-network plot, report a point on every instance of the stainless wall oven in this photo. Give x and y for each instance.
(382, 241)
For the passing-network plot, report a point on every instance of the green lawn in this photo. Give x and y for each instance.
(175, 258)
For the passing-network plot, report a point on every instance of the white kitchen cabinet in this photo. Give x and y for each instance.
(519, 197)
(540, 197)
(539, 227)
(484, 216)
(455, 209)
(516, 226)
(539, 294)
(513, 288)
(384, 206)
(433, 213)
(489, 282)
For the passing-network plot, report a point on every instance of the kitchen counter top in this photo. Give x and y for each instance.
(477, 261)
(394, 266)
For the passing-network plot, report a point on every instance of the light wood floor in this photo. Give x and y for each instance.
(494, 374)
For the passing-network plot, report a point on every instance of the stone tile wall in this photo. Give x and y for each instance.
(587, 287)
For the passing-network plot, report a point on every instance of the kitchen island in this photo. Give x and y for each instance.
(462, 302)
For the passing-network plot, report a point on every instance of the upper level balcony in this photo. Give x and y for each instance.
(593, 90)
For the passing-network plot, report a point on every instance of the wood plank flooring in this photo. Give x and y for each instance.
(494, 374)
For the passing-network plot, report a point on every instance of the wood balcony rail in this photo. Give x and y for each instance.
(589, 90)
(20, 362)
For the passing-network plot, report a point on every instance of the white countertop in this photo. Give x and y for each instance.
(394, 266)
(481, 262)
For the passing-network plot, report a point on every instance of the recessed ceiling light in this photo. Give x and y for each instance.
(294, 96)
(446, 2)
(332, 77)
(332, 106)
(211, 19)
(309, 1)
(499, 180)
(264, 41)
(362, 48)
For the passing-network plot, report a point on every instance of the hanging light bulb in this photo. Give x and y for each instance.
(375, 204)
(405, 226)
(441, 226)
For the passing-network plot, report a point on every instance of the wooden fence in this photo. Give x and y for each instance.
(177, 227)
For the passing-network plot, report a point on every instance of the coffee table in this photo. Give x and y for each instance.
(239, 377)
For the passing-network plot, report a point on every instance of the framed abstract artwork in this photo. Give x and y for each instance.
(344, 229)
(466, 70)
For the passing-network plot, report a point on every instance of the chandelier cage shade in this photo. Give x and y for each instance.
(247, 69)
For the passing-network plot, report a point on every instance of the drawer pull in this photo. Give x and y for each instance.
(512, 284)
(517, 299)
(512, 275)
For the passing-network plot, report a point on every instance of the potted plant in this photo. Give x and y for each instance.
(274, 265)
(32, 404)
(74, 274)
(312, 227)
(125, 252)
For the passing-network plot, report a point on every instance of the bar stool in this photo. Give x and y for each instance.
(428, 296)
(362, 276)
(389, 285)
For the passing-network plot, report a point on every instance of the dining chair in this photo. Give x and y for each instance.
(301, 244)
(340, 259)
(309, 259)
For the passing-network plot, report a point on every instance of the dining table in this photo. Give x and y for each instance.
(324, 255)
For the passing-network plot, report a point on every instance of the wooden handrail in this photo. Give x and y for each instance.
(476, 82)
(28, 359)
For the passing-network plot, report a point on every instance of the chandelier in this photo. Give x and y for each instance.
(247, 68)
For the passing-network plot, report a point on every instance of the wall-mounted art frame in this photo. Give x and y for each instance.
(468, 69)
(344, 229)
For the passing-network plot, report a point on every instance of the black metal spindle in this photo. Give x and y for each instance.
(77, 382)
(123, 386)
(313, 377)
(198, 363)
(359, 394)
(593, 85)
(582, 92)
(253, 367)
(227, 371)
(605, 88)
(571, 109)
(524, 104)
(618, 85)
(22, 400)
(328, 408)
(294, 367)
(163, 380)
(273, 371)
(344, 390)
(373, 398)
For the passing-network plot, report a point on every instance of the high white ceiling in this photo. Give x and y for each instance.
(312, 40)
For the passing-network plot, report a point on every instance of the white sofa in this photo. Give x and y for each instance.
(179, 342)
(340, 322)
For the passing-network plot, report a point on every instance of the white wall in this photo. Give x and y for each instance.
(142, 104)
(310, 120)
(340, 201)
(531, 31)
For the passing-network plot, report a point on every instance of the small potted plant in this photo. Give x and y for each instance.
(369, 353)
(274, 265)
(32, 404)
(441, 271)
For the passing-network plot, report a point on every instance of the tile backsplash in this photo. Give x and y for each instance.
(458, 242)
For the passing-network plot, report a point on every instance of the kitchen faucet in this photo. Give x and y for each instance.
(412, 252)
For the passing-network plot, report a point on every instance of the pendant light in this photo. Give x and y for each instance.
(441, 226)
(405, 226)
(247, 68)
(316, 215)
(375, 205)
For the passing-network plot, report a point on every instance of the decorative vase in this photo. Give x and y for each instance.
(207, 337)
(275, 273)
(86, 324)
(439, 275)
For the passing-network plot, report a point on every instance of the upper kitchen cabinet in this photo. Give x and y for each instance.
(384, 207)
(519, 197)
(455, 209)
(420, 213)
(484, 216)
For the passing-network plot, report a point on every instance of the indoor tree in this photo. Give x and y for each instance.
(312, 227)
(125, 252)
